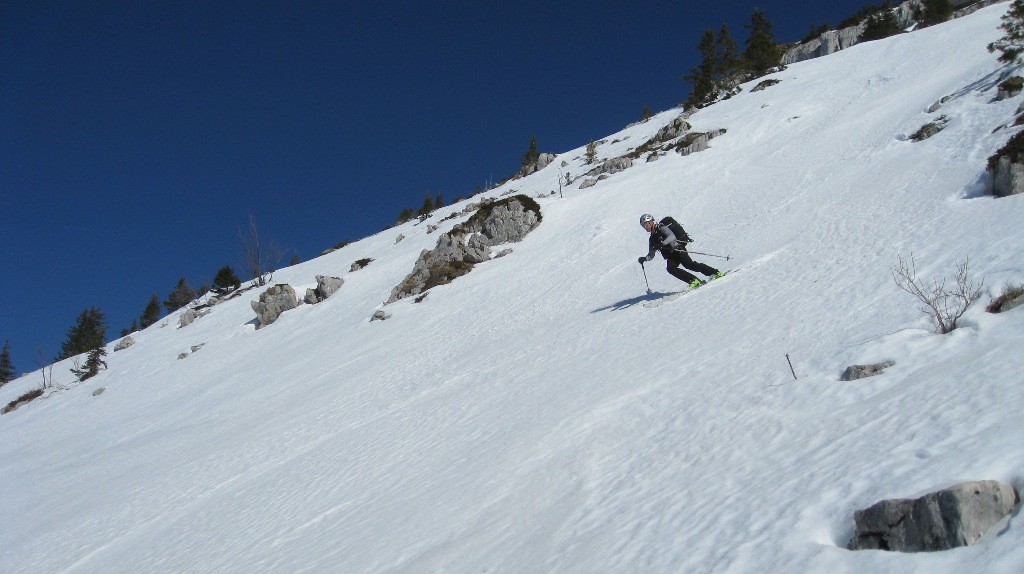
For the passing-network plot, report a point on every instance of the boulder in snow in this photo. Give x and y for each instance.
(950, 518)
(854, 372)
(124, 344)
(272, 303)
(325, 287)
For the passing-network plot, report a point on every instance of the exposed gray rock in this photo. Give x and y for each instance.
(478, 249)
(508, 251)
(854, 372)
(189, 315)
(950, 518)
(827, 43)
(653, 156)
(926, 131)
(1008, 178)
(505, 221)
(676, 128)
(834, 40)
(325, 287)
(399, 238)
(182, 356)
(765, 84)
(272, 303)
(197, 347)
(1010, 88)
(588, 182)
(695, 142)
(380, 315)
(357, 265)
(938, 105)
(543, 160)
(431, 229)
(611, 166)
(124, 344)
(98, 391)
(508, 221)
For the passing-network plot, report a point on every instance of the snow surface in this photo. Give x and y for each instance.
(532, 416)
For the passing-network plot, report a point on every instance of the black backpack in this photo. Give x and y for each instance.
(677, 229)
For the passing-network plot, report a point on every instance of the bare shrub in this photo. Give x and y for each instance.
(943, 305)
(259, 256)
(1010, 292)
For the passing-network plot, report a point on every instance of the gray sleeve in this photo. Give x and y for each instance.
(670, 238)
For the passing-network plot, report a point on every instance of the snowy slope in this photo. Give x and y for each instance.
(532, 416)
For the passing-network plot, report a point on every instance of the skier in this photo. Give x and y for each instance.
(668, 237)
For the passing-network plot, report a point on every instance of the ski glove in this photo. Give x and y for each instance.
(642, 260)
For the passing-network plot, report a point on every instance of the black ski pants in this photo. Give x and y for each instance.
(673, 259)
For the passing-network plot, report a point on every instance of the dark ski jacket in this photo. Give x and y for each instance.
(664, 240)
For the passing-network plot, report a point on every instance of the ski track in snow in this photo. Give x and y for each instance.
(517, 421)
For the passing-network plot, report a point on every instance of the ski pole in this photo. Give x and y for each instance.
(726, 257)
(645, 277)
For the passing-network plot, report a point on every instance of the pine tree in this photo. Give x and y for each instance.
(92, 364)
(727, 56)
(181, 295)
(591, 152)
(717, 69)
(646, 114)
(226, 279)
(151, 314)
(532, 155)
(427, 207)
(405, 215)
(88, 333)
(6, 366)
(1012, 44)
(934, 12)
(761, 53)
(702, 76)
(880, 25)
(129, 330)
(439, 202)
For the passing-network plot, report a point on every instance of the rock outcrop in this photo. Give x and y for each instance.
(950, 518)
(854, 372)
(494, 223)
(325, 287)
(1007, 178)
(124, 344)
(543, 160)
(272, 303)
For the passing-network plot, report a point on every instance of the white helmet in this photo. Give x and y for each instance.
(645, 219)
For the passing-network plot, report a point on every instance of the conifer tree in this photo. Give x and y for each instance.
(88, 333)
(880, 25)
(181, 295)
(439, 202)
(151, 314)
(92, 366)
(427, 207)
(1012, 43)
(226, 279)
(646, 114)
(591, 152)
(702, 76)
(405, 215)
(6, 366)
(532, 155)
(761, 53)
(129, 330)
(717, 69)
(934, 12)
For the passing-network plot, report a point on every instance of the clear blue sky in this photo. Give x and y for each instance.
(136, 137)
